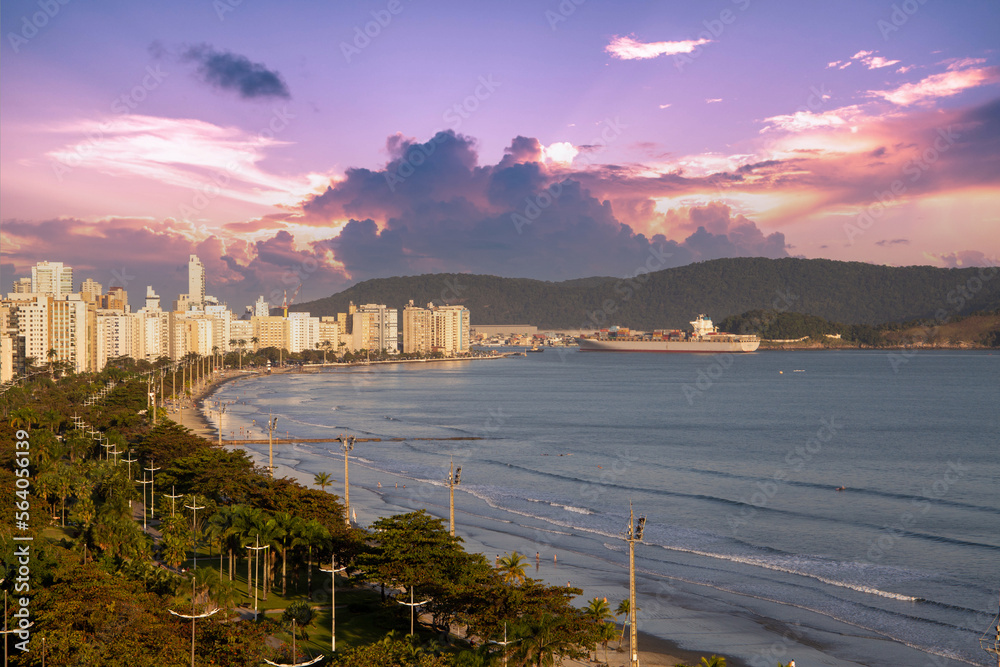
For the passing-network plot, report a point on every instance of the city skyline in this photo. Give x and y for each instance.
(324, 146)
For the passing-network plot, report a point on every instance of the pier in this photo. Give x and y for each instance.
(293, 441)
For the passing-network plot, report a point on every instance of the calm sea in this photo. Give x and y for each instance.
(736, 461)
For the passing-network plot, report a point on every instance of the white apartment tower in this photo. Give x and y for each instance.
(51, 278)
(196, 281)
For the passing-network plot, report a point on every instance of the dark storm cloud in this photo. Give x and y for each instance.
(230, 71)
(432, 208)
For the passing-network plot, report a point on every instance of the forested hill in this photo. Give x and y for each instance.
(847, 292)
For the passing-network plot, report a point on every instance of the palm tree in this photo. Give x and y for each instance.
(312, 533)
(222, 528)
(287, 535)
(22, 418)
(542, 640)
(63, 486)
(256, 342)
(512, 568)
(52, 355)
(323, 480)
(599, 612)
(714, 661)
(623, 609)
(51, 418)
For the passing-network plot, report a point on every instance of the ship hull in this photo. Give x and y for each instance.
(665, 346)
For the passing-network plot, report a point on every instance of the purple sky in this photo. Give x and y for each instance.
(535, 139)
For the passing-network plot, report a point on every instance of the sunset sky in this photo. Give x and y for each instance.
(329, 143)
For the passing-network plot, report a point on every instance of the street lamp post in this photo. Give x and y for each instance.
(412, 605)
(173, 495)
(454, 478)
(633, 535)
(144, 482)
(194, 528)
(192, 616)
(504, 643)
(272, 423)
(152, 509)
(347, 445)
(333, 595)
(221, 409)
(256, 575)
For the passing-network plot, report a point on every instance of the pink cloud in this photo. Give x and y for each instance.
(628, 48)
(944, 84)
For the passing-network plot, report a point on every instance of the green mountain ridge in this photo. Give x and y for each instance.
(846, 292)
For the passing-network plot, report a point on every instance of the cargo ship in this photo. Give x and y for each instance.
(704, 337)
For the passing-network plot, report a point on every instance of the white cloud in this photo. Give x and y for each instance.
(666, 106)
(807, 120)
(562, 152)
(628, 48)
(712, 100)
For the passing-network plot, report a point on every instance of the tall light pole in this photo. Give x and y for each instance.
(633, 535)
(412, 605)
(272, 423)
(130, 461)
(194, 528)
(220, 407)
(192, 616)
(333, 595)
(144, 482)
(347, 445)
(256, 575)
(152, 509)
(173, 495)
(454, 478)
(504, 643)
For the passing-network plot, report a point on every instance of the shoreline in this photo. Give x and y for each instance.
(654, 651)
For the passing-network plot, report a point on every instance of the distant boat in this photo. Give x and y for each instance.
(535, 348)
(704, 337)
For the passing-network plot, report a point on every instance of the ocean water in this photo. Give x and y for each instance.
(750, 549)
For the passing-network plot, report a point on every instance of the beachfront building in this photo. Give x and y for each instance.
(416, 329)
(269, 331)
(375, 327)
(190, 332)
(450, 330)
(443, 329)
(303, 332)
(241, 330)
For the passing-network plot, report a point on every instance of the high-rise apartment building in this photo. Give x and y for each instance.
(196, 281)
(303, 332)
(416, 329)
(261, 308)
(21, 286)
(270, 331)
(375, 327)
(51, 278)
(442, 329)
(91, 290)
